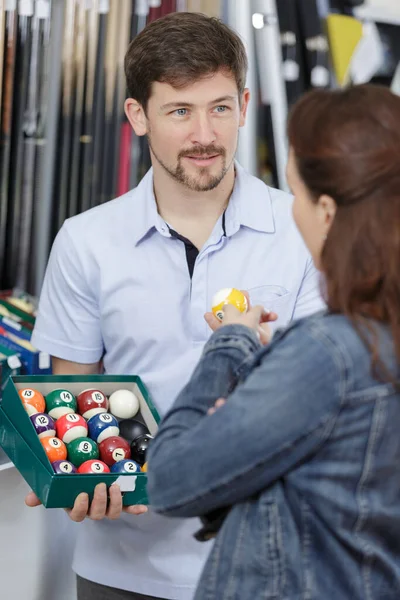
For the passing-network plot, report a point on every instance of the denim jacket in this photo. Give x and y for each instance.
(306, 451)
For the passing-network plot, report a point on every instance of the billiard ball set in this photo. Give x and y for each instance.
(79, 435)
(66, 434)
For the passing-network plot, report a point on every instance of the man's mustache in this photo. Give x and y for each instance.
(202, 151)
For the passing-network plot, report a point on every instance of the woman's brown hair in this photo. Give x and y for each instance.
(347, 145)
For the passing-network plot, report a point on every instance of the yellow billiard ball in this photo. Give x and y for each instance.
(228, 296)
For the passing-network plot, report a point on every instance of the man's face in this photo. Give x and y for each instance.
(193, 131)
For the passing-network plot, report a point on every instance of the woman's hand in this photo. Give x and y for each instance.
(220, 402)
(256, 318)
(100, 508)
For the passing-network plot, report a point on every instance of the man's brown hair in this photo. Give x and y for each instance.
(179, 49)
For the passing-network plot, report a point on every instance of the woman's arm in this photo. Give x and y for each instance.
(283, 411)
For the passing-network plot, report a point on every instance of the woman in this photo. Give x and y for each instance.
(306, 448)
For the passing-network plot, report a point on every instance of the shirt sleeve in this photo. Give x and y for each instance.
(273, 421)
(309, 299)
(68, 322)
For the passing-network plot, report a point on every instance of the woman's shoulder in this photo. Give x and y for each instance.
(335, 331)
(346, 342)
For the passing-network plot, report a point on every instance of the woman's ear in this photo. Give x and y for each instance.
(326, 211)
(136, 116)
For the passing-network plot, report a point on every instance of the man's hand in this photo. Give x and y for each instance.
(100, 507)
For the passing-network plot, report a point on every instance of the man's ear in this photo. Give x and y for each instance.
(136, 116)
(244, 102)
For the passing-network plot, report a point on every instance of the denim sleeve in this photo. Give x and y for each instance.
(283, 411)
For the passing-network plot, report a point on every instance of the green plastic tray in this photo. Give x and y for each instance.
(20, 442)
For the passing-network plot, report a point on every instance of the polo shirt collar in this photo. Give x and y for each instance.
(249, 206)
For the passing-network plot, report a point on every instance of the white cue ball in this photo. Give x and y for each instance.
(123, 404)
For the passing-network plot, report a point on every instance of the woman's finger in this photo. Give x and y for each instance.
(265, 333)
(212, 321)
(268, 316)
(247, 298)
(220, 402)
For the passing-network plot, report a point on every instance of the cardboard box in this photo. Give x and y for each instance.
(20, 442)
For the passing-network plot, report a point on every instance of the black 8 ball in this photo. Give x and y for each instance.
(139, 448)
(130, 429)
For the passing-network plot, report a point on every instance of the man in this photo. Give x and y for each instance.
(128, 282)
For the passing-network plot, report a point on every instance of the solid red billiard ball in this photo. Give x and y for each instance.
(92, 402)
(93, 467)
(32, 400)
(113, 449)
(54, 448)
(71, 426)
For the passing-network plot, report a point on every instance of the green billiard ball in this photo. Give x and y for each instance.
(81, 450)
(59, 403)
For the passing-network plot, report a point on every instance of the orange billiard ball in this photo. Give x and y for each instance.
(54, 448)
(32, 400)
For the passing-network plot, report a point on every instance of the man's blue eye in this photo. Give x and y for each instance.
(221, 109)
(181, 112)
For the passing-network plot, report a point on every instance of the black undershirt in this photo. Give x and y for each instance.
(191, 251)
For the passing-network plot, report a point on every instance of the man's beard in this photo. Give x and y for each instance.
(196, 184)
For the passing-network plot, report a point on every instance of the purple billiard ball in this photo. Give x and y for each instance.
(127, 467)
(64, 467)
(102, 426)
(44, 425)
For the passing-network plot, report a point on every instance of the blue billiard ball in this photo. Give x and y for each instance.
(125, 466)
(102, 426)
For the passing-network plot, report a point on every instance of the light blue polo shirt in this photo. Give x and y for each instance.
(118, 285)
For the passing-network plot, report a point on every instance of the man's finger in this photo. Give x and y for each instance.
(80, 510)
(136, 509)
(32, 500)
(115, 505)
(98, 507)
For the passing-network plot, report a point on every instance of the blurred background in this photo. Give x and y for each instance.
(65, 146)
